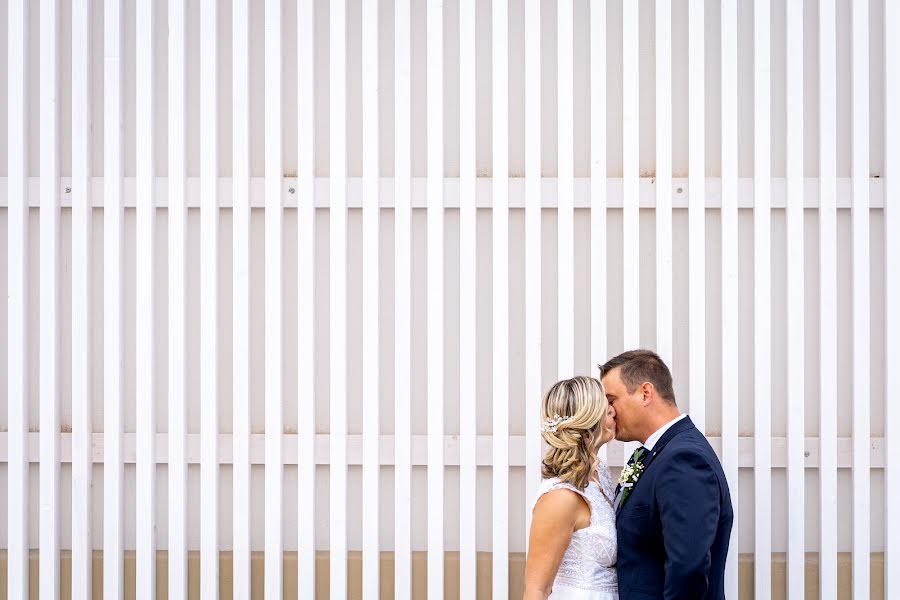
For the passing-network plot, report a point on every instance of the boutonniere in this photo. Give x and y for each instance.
(630, 475)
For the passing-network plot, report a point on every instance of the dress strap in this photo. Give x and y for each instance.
(549, 485)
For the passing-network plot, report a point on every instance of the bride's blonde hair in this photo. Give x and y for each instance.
(572, 417)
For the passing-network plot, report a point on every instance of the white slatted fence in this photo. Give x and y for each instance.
(724, 158)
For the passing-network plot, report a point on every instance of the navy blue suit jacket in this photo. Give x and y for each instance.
(675, 525)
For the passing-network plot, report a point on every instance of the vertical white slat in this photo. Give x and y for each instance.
(177, 219)
(827, 296)
(630, 174)
(241, 296)
(599, 151)
(82, 301)
(566, 178)
(730, 277)
(370, 369)
(796, 349)
(435, 296)
(762, 300)
(338, 298)
(892, 295)
(467, 300)
(500, 310)
(402, 292)
(664, 180)
(209, 300)
(533, 246)
(17, 302)
(49, 301)
(274, 225)
(861, 294)
(697, 211)
(631, 181)
(145, 388)
(306, 260)
(113, 284)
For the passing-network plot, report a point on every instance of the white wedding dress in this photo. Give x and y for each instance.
(588, 567)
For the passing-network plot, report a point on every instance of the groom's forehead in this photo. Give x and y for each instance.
(613, 378)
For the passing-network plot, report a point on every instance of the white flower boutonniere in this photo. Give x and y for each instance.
(630, 475)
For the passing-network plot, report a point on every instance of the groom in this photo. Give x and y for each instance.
(673, 507)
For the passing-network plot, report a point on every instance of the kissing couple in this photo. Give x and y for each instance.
(663, 530)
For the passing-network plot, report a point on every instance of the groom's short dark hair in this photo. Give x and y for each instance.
(638, 366)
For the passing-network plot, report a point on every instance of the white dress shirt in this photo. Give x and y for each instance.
(651, 441)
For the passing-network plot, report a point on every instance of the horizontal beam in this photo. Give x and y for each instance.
(483, 450)
(290, 189)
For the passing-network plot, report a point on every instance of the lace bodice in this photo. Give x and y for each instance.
(590, 560)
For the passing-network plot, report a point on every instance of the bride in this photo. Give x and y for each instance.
(572, 543)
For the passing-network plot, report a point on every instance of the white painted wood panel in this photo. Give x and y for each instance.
(662, 170)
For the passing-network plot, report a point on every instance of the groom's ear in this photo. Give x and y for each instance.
(647, 390)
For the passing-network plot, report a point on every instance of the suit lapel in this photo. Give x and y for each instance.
(676, 429)
(680, 427)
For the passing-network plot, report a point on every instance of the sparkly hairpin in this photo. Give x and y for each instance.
(550, 425)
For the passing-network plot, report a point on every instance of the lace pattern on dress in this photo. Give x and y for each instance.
(589, 562)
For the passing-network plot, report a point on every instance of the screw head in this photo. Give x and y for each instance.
(68, 190)
(680, 190)
(291, 190)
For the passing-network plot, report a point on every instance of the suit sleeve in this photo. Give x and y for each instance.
(688, 498)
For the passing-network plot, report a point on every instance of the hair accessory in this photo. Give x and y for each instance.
(550, 425)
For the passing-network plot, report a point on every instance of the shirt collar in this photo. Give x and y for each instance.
(651, 441)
